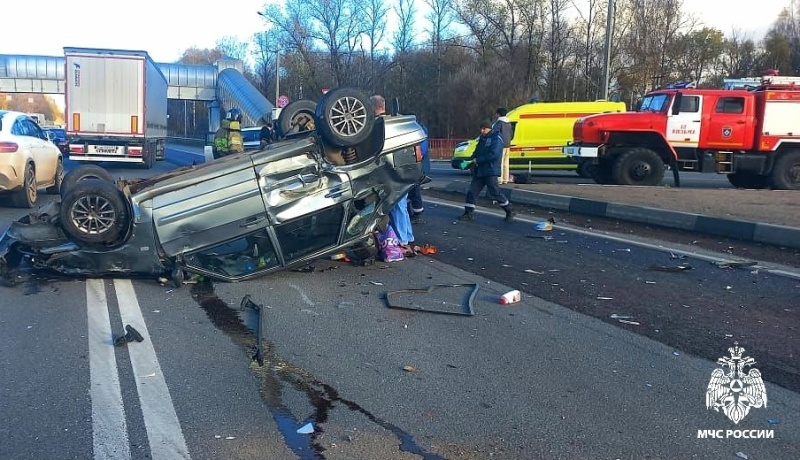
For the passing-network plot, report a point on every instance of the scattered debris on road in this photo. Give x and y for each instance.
(671, 268)
(131, 334)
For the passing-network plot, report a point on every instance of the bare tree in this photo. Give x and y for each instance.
(375, 15)
(233, 48)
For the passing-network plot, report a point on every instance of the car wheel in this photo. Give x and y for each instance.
(26, 196)
(522, 178)
(59, 179)
(584, 169)
(344, 117)
(297, 117)
(638, 166)
(94, 211)
(751, 180)
(84, 172)
(786, 171)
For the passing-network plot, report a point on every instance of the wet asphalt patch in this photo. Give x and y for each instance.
(276, 374)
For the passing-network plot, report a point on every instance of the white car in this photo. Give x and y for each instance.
(28, 160)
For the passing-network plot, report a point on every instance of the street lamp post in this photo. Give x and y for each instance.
(277, 68)
(607, 57)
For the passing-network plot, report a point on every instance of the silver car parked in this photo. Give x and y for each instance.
(237, 217)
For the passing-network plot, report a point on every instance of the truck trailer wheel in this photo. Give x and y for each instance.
(746, 179)
(786, 171)
(94, 211)
(84, 172)
(638, 166)
(345, 117)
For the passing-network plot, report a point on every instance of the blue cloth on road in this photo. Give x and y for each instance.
(401, 221)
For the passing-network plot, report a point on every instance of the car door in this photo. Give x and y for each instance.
(730, 126)
(306, 199)
(214, 204)
(683, 128)
(45, 153)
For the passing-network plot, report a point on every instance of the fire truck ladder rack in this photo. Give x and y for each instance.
(774, 80)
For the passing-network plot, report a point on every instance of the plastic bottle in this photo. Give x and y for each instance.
(510, 297)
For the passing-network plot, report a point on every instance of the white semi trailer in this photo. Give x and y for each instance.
(116, 106)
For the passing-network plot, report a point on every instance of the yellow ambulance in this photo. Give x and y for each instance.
(540, 130)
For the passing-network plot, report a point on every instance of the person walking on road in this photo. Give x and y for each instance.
(415, 204)
(398, 216)
(503, 126)
(485, 165)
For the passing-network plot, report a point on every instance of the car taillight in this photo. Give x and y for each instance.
(135, 151)
(8, 147)
(76, 148)
(418, 153)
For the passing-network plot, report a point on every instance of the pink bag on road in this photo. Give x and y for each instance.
(389, 245)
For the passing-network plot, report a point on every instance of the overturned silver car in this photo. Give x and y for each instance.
(314, 193)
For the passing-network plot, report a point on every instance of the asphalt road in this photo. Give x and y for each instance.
(557, 375)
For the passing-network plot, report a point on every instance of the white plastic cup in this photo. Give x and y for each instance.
(510, 297)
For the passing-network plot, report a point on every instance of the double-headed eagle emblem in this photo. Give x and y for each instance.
(735, 392)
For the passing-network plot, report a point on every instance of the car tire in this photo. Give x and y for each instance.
(94, 211)
(84, 172)
(27, 195)
(345, 117)
(297, 117)
(522, 178)
(786, 171)
(584, 169)
(55, 189)
(746, 179)
(638, 166)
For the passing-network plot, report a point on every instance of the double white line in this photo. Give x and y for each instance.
(110, 434)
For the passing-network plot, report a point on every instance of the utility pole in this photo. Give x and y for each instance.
(277, 76)
(607, 58)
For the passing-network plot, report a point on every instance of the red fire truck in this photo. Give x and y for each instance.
(751, 136)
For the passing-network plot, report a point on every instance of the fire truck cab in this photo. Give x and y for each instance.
(752, 136)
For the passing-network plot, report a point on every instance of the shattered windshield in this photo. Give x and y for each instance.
(654, 103)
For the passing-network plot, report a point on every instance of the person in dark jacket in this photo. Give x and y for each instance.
(485, 165)
(415, 205)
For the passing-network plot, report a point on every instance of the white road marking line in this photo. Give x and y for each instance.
(160, 420)
(707, 256)
(109, 430)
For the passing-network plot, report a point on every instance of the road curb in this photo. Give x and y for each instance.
(758, 232)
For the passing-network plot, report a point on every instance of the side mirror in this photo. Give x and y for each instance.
(49, 135)
(676, 103)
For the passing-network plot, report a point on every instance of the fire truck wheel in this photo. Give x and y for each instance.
(94, 211)
(84, 172)
(786, 172)
(638, 166)
(601, 173)
(748, 180)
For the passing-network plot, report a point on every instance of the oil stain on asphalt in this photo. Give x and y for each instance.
(277, 374)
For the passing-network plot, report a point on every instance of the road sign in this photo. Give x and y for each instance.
(283, 101)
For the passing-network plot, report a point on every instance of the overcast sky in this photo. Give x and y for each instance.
(166, 28)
